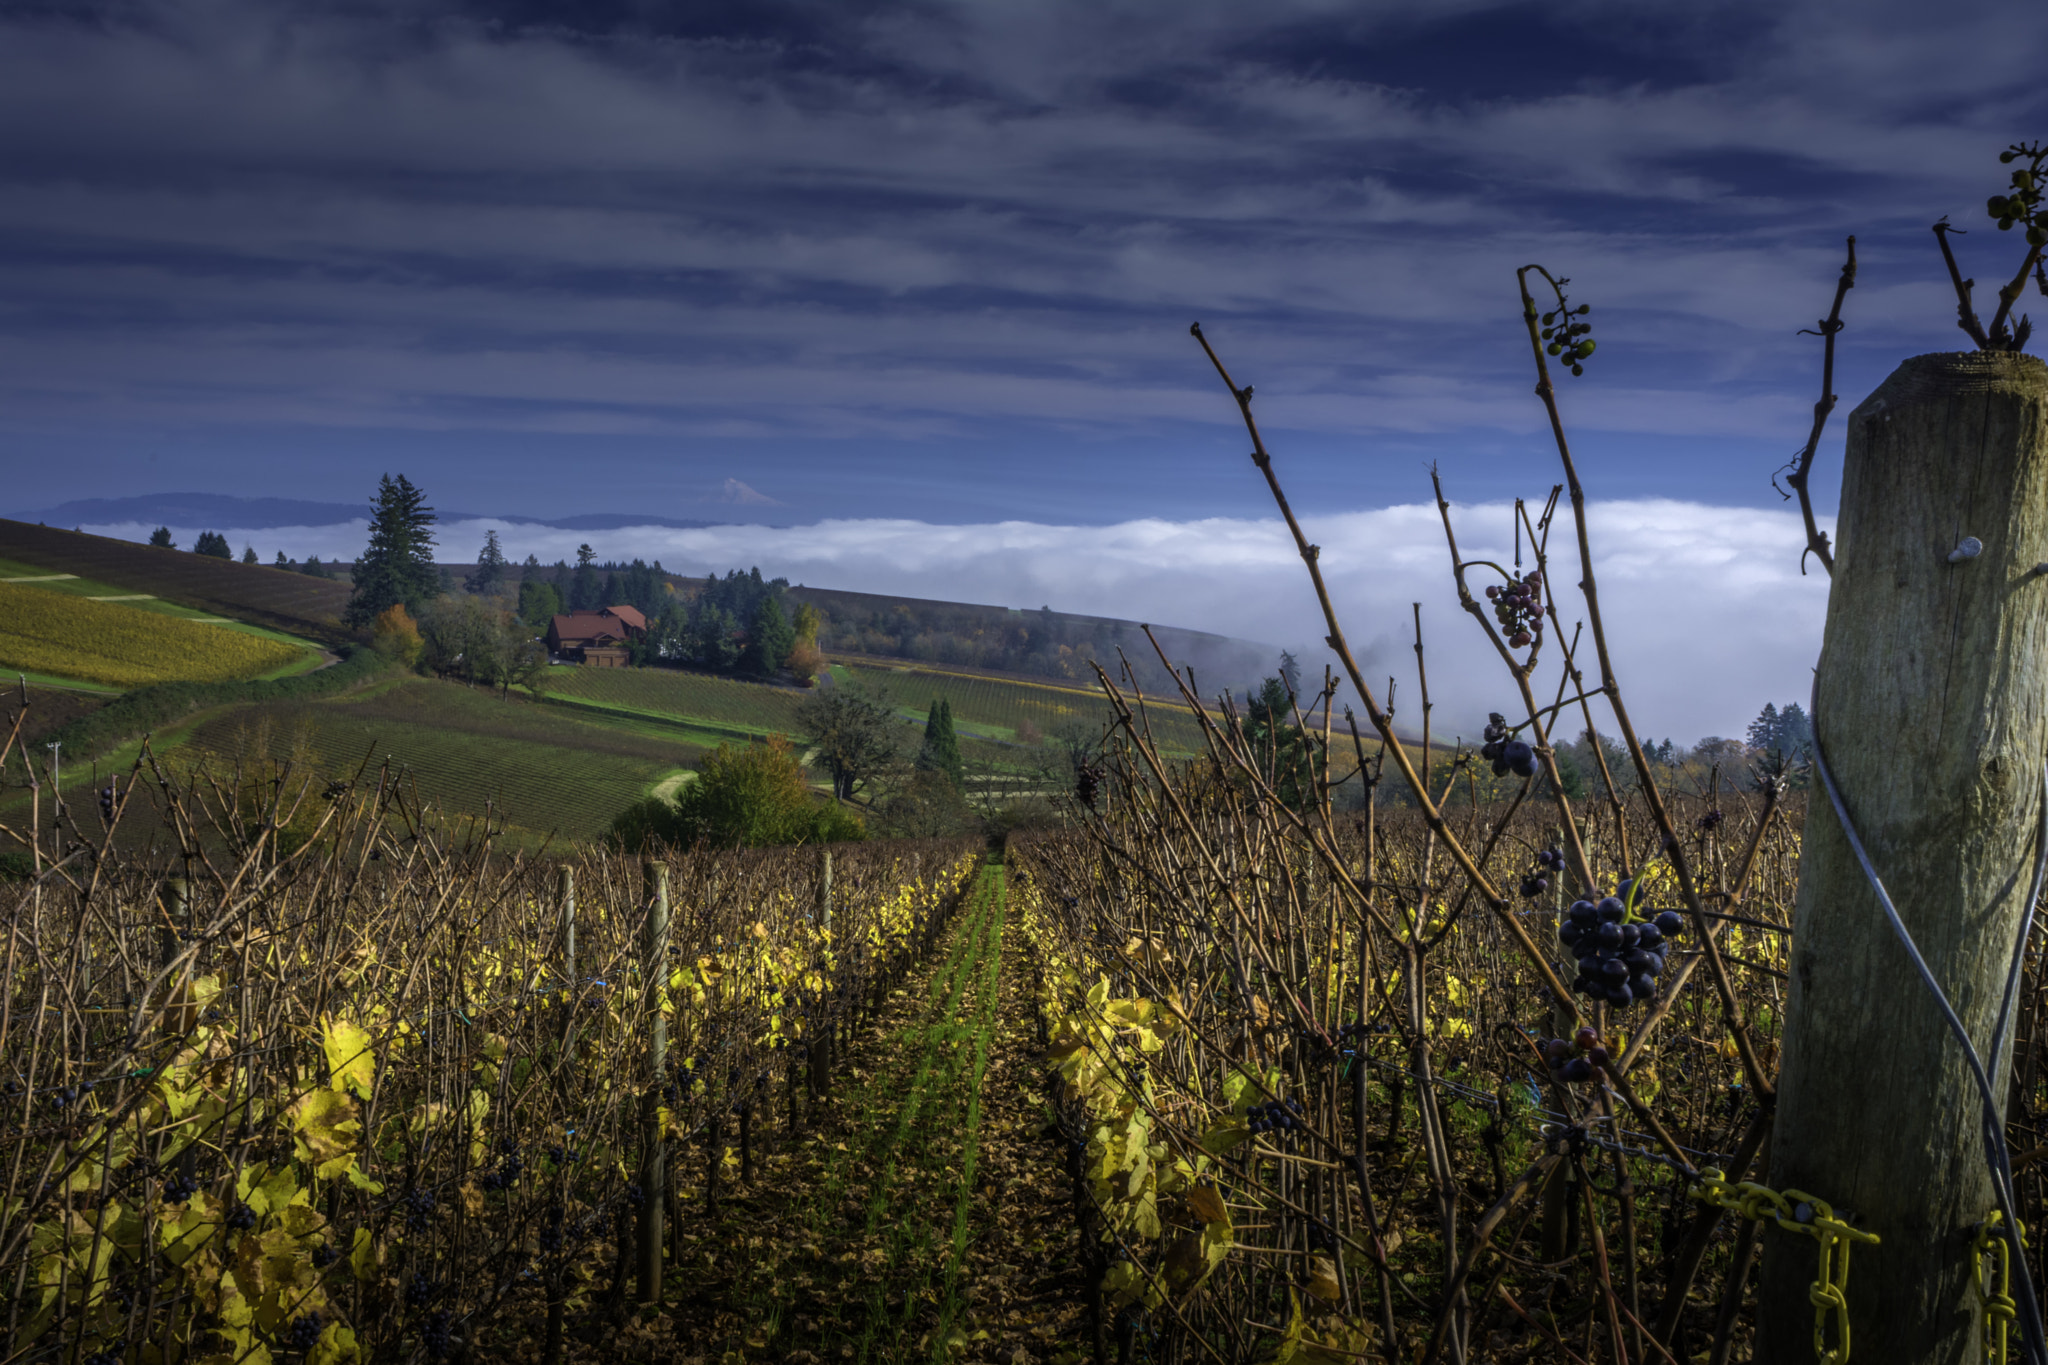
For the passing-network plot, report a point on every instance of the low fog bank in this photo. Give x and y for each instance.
(1707, 614)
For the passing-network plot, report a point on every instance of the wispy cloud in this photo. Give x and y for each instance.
(963, 224)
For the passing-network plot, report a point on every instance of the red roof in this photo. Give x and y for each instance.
(630, 615)
(585, 628)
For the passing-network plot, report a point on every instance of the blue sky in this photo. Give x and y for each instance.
(938, 260)
(905, 266)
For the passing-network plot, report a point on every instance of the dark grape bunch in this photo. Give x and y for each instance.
(110, 1353)
(1620, 957)
(504, 1175)
(1507, 755)
(419, 1290)
(1577, 1059)
(1548, 862)
(1087, 778)
(240, 1216)
(438, 1333)
(1519, 608)
(180, 1188)
(303, 1333)
(1278, 1116)
(419, 1207)
(107, 795)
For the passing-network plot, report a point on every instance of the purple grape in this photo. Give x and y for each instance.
(1670, 924)
(1630, 935)
(1648, 936)
(1577, 1071)
(1585, 912)
(1643, 985)
(1612, 910)
(1614, 969)
(1608, 935)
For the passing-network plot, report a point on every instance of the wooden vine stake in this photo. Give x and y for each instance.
(1932, 710)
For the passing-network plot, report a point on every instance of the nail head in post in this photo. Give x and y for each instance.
(1969, 547)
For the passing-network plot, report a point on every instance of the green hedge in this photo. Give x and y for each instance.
(149, 709)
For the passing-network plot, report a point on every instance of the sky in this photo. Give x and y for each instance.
(842, 266)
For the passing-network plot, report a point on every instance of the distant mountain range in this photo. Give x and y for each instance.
(219, 510)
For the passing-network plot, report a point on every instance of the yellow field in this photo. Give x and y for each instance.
(105, 642)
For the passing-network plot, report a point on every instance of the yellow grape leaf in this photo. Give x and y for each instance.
(349, 1056)
(337, 1346)
(365, 1257)
(1322, 1279)
(324, 1128)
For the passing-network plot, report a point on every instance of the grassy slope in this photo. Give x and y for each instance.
(114, 643)
(277, 599)
(988, 712)
(540, 769)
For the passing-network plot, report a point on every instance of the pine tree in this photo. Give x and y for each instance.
(248, 554)
(583, 588)
(398, 564)
(941, 749)
(213, 545)
(771, 638)
(1766, 731)
(161, 538)
(490, 567)
(282, 562)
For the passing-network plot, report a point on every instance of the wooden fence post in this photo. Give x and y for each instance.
(1932, 713)
(653, 1145)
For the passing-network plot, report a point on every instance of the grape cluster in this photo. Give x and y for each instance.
(419, 1290)
(1519, 608)
(1577, 1059)
(110, 1353)
(438, 1334)
(304, 1331)
(1711, 820)
(1507, 755)
(2022, 207)
(419, 1207)
(504, 1175)
(179, 1188)
(107, 794)
(1278, 1116)
(1087, 779)
(1620, 957)
(551, 1231)
(1548, 861)
(240, 1216)
(325, 1255)
(1568, 340)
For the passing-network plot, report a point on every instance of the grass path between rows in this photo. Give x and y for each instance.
(921, 1218)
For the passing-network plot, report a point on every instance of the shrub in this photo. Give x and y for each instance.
(396, 636)
(744, 797)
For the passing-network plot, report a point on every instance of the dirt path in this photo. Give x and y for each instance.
(922, 1220)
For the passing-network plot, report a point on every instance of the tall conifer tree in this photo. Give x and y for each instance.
(398, 564)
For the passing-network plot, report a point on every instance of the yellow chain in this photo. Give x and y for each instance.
(1828, 1293)
(1994, 1287)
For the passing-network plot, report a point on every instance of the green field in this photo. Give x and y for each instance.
(541, 769)
(998, 719)
(1006, 712)
(709, 709)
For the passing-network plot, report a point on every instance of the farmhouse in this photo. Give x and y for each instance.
(596, 638)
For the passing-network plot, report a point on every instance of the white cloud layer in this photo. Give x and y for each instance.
(1707, 614)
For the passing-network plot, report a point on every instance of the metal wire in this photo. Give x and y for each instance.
(1995, 1157)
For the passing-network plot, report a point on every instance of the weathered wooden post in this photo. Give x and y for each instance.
(1932, 713)
(653, 1145)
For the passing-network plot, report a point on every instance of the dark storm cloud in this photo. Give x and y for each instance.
(753, 237)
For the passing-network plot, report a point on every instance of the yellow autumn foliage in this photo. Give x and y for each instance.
(105, 642)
